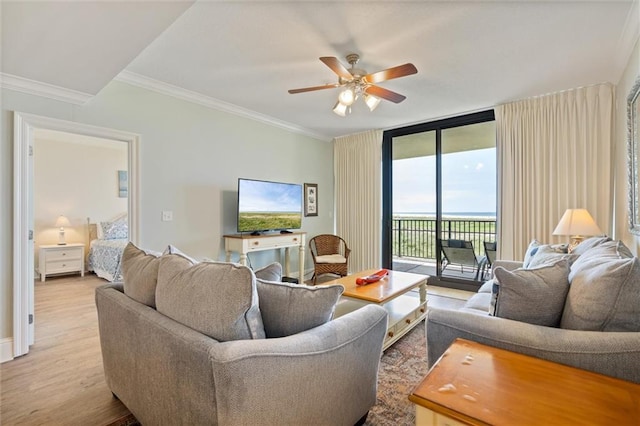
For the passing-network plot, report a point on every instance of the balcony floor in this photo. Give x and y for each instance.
(427, 267)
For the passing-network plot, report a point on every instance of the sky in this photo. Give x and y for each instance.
(468, 183)
(259, 196)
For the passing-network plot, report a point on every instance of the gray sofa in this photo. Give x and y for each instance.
(286, 364)
(596, 325)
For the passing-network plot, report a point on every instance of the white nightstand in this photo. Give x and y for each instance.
(61, 259)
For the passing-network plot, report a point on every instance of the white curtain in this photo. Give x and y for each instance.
(554, 153)
(358, 192)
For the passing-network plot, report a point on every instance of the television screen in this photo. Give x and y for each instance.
(268, 206)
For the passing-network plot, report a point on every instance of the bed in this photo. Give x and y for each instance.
(107, 242)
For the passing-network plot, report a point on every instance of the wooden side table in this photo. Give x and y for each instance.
(474, 384)
(61, 259)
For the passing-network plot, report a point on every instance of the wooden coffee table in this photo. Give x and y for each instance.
(405, 311)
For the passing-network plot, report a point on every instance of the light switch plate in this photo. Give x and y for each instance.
(167, 215)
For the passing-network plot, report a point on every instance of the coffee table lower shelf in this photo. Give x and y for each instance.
(405, 312)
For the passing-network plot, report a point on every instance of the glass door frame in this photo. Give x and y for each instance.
(387, 177)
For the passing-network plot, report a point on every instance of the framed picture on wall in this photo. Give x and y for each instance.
(311, 199)
(123, 184)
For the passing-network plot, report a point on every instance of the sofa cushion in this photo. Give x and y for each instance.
(292, 308)
(547, 254)
(216, 299)
(605, 290)
(140, 274)
(271, 272)
(534, 296)
(589, 243)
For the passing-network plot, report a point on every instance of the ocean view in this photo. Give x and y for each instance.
(457, 215)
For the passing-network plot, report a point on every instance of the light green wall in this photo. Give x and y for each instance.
(190, 159)
(631, 73)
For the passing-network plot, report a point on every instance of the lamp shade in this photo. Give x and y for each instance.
(577, 222)
(62, 221)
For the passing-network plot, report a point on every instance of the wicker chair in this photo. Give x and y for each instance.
(330, 255)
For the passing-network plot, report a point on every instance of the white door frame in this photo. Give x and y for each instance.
(24, 126)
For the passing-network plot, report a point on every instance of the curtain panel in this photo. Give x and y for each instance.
(554, 153)
(358, 192)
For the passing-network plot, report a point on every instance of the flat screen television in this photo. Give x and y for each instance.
(268, 206)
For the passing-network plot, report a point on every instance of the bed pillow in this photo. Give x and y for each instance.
(292, 308)
(535, 296)
(140, 274)
(216, 299)
(114, 230)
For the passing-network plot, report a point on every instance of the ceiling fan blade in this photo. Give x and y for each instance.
(311, 89)
(383, 93)
(337, 67)
(390, 73)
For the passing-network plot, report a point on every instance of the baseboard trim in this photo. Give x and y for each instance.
(6, 349)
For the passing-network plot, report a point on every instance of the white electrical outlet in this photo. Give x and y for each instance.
(167, 215)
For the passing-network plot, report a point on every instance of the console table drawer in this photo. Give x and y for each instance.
(273, 242)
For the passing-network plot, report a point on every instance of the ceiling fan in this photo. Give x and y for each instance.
(358, 82)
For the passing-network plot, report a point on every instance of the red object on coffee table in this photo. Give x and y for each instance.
(372, 278)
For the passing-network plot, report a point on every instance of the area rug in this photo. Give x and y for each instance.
(402, 367)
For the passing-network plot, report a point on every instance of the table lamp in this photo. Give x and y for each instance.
(61, 222)
(578, 224)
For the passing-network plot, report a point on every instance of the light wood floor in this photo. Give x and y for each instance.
(61, 381)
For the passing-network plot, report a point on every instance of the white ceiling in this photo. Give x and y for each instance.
(243, 56)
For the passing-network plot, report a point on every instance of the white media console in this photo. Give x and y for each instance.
(247, 243)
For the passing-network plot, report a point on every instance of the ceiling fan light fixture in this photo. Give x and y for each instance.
(341, 109)
(371, 101)
(347, 96)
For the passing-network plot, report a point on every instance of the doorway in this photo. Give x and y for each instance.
(25, 128)
(439, 198)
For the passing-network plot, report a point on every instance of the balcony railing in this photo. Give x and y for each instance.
(416, 237)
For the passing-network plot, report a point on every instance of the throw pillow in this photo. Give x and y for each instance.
(140, 274)
(531, 251)
(535, 296)
(271, 272)
(291, 308)
(605, 290)
(216, 299)
(547, 255)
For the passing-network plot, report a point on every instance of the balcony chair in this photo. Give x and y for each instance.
(490, 257)
(330, 255)
(461, 252)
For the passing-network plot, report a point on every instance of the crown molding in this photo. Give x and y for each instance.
(209, 102)
(38, 88)
(629, 36)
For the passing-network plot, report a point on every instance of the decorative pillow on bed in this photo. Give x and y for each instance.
(216, 299)
(534, 296)
(115, 230)
(292, 308)
(140, 274)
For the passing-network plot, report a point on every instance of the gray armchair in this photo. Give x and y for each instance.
(169, 374)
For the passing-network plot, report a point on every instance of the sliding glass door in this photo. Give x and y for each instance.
(439, 197)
